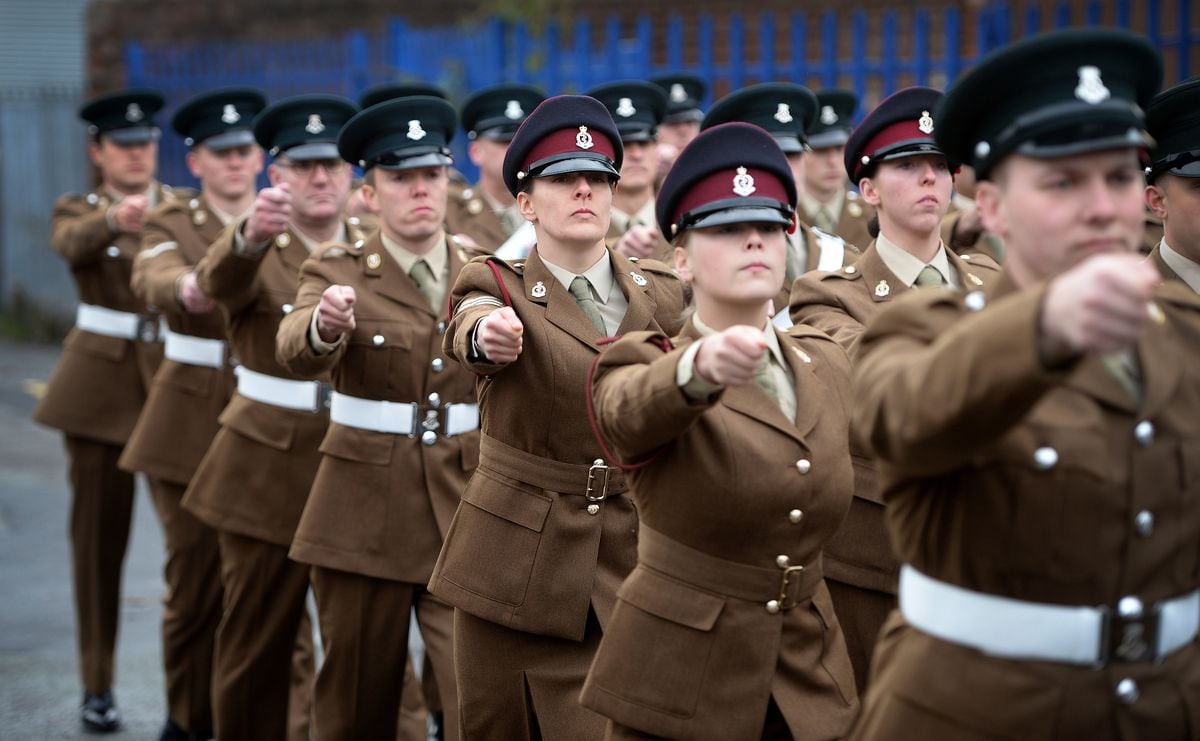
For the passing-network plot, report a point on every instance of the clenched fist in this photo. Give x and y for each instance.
(335, 312)
(499, 335)
(191, 297)
(638, 242)
(270, 216)
(731, 357)
(128, 214)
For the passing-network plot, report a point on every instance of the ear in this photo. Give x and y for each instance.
(370, 197)
(273, 173)
(683, 266)
(989, 199)
(193, 163)
(1156, 200)
(866, 188)
(94, 152)
(474, 153)
(525, 205)
(256, 161)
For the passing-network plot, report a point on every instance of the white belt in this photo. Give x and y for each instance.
(404, 418)
(184, 348)
(833, 251)
(306, 396)
(112, 323)
(1015, 629)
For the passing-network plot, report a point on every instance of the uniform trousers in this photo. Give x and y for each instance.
(862, 613)
(260, 651)
(101, 510)
(775, 728)
(191, 608)
(364, 629)
(517, 685)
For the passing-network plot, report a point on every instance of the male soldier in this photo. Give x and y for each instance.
(486, 212)
(1044, 505)
(681, 124)
(638, 108)
(373, 314)
(192, 386)
(1173, 190)
(254, 480)
(107, 364)
(903, 175)
(543, 537)
(825, 201)
(786, 111)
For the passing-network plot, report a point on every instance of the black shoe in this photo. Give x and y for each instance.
(99, 713)
(172, 732)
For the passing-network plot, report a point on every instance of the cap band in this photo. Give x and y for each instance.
(740, 187)
(578, 142)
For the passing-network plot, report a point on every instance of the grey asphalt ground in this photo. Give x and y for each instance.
(39, 678)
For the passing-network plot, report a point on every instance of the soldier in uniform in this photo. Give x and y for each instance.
(826, 201)
(253, 481)
(638, 108)
(786, 111)
(404, 435)
(1173, 181)
(108, 361)
(192, 385)
(544, 534)
(736, 434)
(486, 212)
(904, 175)
(1045, 506)
(681, 124)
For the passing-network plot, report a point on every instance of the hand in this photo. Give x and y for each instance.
(638, 242)
(731, 357)
(128, 214)
(270, 216)
(1097, 306)
(967, 229)
(468, 245)
(499, 335)
(191, 297)
(335, 312)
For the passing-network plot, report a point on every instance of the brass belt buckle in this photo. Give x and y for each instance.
(785, 601)
(1130, 634)
(597, 481)
(147, 328)
(324, 397)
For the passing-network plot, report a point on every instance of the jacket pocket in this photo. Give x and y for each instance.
(359, 446)
(270, 427)
(190, 379)
(656, 650)
(109, 348)
(495, 537)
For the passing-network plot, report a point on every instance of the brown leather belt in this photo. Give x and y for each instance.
(596, 482)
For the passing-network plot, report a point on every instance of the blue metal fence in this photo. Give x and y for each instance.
(872, 53)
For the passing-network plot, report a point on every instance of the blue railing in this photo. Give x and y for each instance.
(880, 53)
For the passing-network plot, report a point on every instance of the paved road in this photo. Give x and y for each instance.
(39, 684)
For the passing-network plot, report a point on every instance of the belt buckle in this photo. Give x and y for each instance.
(433, 418)
(324, 397)
(788, 601)
(1129, 636)
(147, 328)
(598, 474)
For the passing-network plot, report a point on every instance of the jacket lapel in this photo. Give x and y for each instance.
(1160, 362)
(541, 287)
(881, 283)
(388, 279)
(642, 305)
(811, 393)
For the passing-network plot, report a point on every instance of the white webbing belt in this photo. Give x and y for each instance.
(1016, 629)
(398, 418)
(833, 251)
(110, 322)
(280, 392)
(183, 348)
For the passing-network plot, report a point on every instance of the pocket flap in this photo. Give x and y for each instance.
(270, 427)
(360, 446)
(508, 499)
(669, 599)
(112, 348)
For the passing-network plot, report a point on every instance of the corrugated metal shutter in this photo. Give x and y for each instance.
(41, 44)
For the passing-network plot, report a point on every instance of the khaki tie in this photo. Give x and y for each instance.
(1121, 366)
(929, 276)
(764, 378)
(583, 296)
(824, 221)
(422, 275)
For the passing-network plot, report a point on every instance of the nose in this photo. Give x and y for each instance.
(754, 237)
(1101, 201)
(928, 174)
(582, 187)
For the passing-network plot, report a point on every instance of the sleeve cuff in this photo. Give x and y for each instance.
(320, 346)
(686, 377)
(242, 248)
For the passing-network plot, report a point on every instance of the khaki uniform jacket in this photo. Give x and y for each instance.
(812, 251)
(841, 304)
(256, 475)
(381, 502)
(469, 213)
(693, 651)
(852, 222)
(98, 388)
(969, 504)
(523, 550)
(985, 243)
(179, 419)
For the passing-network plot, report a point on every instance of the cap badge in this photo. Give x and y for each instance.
(1091, 88)
(639, 280)
(415, 132)
(925, 123)
(743, 182)
(538, 290)
(374, 261)
(625, 108)
(583, 139)
(229, 114)
(678, 94)
(513, 110)
(314, 125)
(133, 113)
(828, 116)
(783, 114)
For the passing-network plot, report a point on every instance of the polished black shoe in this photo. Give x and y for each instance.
(172, 732)
(99, 713)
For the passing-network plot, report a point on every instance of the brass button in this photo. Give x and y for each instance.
(287, 308)
(1143, 522)
(434, 399)
(441, 328)
(804, 465)
(795, 516)
(1130, 607)
(773, 606)
(975, 301)
(1127, 691)
(437, 365)
(377, 340)
(593, 509)
(1144, 433)
(428, 437)
(1045, 458)
(782, 561)
(113, 251)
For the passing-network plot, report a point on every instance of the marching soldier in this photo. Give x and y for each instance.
(739, 432)
(1045, 505)
(681, 124)
(826, 202)
(638, 108)
(1173, 189)
(404, 435)
(107, 364)
(486, 212)
(904, 175)
(252, 484)
(543, 535)
(786, 111)
(192, 386)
